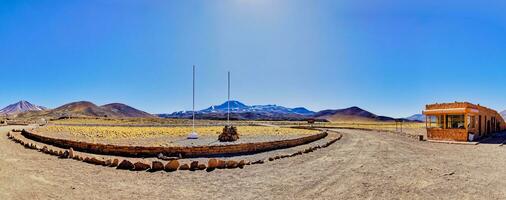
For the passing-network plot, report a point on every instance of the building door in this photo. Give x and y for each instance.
(479, 125)
(488, 126)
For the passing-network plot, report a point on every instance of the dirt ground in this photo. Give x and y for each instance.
(362, 165)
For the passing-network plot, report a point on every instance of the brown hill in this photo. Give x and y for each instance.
(122, 110)
(81, 109)
(350, 114)
(88, 109)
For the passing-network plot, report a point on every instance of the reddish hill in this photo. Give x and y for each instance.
(350, 114)
(123, 110)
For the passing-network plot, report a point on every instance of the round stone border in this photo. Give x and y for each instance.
(170, 166)
(181, 152)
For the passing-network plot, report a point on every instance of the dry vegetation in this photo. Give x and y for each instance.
(163, 122)
(115, 132)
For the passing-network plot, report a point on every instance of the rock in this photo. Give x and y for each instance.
(221, 164)
(65, 154)
(141, 166)
(125, 164)
(108, 162)
(194, 165)
(231, 164)
(271, 159)
(241, 164)
(258, 162)
(277, 157)
(9, 134)
(71, 152)
(96, 161)
(172, 165)
(201, 167)
(114, 163)
(184, 167)
(60, 153)
(44, 149)
(86, 160)
(81, 158)
(212, 163)
(157, 166)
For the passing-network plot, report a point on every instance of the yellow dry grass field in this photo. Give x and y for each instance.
(108, 132)
(163, 122)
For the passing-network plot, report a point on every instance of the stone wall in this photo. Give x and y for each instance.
(185, 152)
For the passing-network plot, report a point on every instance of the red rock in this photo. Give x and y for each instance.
(114, 163)
(125, 164)
(141, 166)
(184, 167)
(96, 161)
(172, 165)
(201, 167)
(257, 162)
(157, 166)
(221, 164)
(231, 164)
(212, 163)
(241, 164)
(194, 165)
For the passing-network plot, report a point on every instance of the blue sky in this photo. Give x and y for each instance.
(390, 57)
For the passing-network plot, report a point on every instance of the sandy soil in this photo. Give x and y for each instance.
(362, 165)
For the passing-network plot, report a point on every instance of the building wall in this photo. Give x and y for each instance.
(491, 122)
(447, 134)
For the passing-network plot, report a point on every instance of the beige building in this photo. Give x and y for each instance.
(461, 121)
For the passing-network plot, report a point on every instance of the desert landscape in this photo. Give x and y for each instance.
(252, 99)
(359, 158)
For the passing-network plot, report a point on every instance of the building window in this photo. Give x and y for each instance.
(472, 121)
(435, 121)
(455, 121)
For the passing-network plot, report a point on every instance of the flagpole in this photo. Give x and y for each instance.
(193, 112)
(228, 115)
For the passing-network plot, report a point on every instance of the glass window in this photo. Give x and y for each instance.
(455, 121)
(435, 121)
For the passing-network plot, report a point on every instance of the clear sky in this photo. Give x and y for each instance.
(390, 57)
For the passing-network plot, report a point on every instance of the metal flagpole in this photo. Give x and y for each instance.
(228, 115)
(193, 113)
(193, 134)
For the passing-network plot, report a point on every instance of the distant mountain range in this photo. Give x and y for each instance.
(20, 107)
(77, 109)
(239, 111)
(416, 117)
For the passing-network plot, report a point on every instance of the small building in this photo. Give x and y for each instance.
(461, 121)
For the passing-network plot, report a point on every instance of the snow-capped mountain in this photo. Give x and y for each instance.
(238, 107)
(241, 110)
(20, 107)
